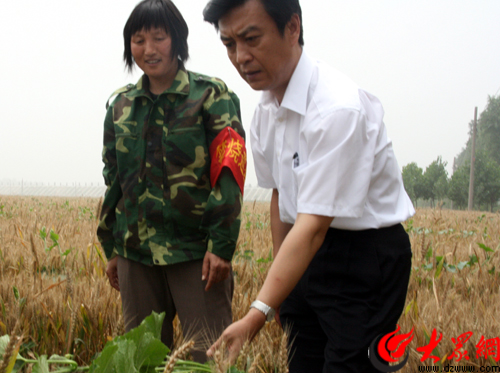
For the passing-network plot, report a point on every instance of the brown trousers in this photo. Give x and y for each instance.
(172, 289)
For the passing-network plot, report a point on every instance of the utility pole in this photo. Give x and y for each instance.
(472, 159)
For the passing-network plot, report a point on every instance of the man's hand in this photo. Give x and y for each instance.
(215, 269)
(112, 272)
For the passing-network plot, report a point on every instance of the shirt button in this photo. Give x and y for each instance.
(150, 225)
(150, 143)
(149, 184)
(280, 120)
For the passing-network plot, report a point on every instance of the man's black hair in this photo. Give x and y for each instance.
(161, 14)
(281, 11)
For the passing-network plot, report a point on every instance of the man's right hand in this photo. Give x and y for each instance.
(112, 272)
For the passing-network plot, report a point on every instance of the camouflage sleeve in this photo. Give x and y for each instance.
(222, 216)
(113, 191)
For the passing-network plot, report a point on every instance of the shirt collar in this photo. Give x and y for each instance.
(295, 97)
(180, 85)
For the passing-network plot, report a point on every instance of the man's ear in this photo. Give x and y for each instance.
(293, 29)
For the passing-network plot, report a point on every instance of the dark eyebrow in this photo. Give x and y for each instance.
(240, 34)
(247, 30)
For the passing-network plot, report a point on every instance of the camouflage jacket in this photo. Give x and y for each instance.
(159, 206)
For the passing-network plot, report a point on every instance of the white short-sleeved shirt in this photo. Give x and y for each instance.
(327, 152)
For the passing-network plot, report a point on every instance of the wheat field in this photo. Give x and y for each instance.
(53, 283)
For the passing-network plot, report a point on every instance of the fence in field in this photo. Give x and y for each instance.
(93, 190)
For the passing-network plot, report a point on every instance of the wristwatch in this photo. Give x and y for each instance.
(264, 308)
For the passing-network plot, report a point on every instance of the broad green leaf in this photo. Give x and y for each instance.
(140, 347)
(4, 341)
(41, 366)
(152, 324)
(462, 265)
(123, 359)
(150, 351)
(104, 362)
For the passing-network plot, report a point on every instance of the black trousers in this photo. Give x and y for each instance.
(353, 290)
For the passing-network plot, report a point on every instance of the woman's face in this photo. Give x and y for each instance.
(152, 52)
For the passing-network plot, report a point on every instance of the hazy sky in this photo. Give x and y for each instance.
(429, 62)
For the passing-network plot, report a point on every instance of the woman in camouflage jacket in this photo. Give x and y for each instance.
(174, 164)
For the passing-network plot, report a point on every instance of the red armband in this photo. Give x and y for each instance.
(228, 150)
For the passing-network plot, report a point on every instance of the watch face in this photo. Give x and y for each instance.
(270, 315)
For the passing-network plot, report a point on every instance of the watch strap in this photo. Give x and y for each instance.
(264, 308)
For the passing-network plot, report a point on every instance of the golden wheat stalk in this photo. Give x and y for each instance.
(178, 354)
(283, 354)
(255, 363)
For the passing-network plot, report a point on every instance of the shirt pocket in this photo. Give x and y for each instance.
(126, 137)
(185, 148)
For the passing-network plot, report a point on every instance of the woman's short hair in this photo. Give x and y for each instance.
(162, 14)
(281, 11)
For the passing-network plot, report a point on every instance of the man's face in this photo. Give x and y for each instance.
(262, 56)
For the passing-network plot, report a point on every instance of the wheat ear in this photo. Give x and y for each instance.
(179, 353)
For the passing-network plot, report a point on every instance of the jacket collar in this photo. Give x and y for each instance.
(180, 85)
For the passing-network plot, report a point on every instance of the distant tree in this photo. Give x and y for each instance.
(488, 133)
(435, 183)
(486, 183)
(413, 179)
(458, 190)
(489, 129)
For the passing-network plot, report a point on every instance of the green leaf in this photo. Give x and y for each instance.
(473, 260)
(451, 268)
(233, 369)
(54, 236)
(150, 351)
(138, 350)
(428, 254)
(123, 359)
(43, 233)
(66, 252)
(104, 363)
(462, 265)
(41, 366)
(428, 266)
(4, 341)
(485, 248)
(439, 268)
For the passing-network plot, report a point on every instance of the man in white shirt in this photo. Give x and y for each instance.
(342, 258)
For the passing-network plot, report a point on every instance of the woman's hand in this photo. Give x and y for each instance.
(238, 332)
(112, 273)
